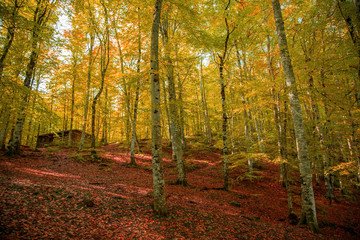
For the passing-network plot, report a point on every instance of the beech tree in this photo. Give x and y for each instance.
(104, 38)
(173, 106)
(41, 17)
(307, 195)
(219, 72)
(160, 206)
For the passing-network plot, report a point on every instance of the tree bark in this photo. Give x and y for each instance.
(126, 91)
(137, 93)
(105, 119)
(160, 206)
(307, 194)
(87, 95)
(104, 63)
(222, 59)
(34, 99)
(173, 110)
(72, 99)
(4, 128)
(206, 123)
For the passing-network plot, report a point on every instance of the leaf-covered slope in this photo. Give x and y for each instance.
(57, 195)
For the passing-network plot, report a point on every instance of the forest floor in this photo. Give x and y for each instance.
(56, 194)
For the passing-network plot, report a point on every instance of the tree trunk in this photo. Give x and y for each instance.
(307, 194)
(72, 99)
(87, 95)
(126, 91)
(105, 119)
(160, 206)
(104, 63)
(4, 128)
(249, 140)
(222, 59)
(168, 122)
(41, 15)
(30, 135)
(206, 123)
(224, 126)
(137, 93)
(173, 110)
(181, 113)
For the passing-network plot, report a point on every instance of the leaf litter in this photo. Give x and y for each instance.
(54, 196)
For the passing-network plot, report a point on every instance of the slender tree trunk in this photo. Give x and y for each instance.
(160, 206)
(174, 116)
(206, 123)
(87, 95)
(104, 63)
(105, 119)
(137, 93)
(307, 194)
(222, 59)
(133, 137)
(249, 140)
(168, 122)
(181, 112)
(4, 128)
(259, 135)
(126, 91)
(72, 100)
(224, 126)
(28, 142)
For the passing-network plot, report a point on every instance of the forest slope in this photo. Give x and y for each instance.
(55, 194)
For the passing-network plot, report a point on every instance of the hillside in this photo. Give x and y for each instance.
(57, 194)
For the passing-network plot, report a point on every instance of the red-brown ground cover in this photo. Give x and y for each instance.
(56, 195)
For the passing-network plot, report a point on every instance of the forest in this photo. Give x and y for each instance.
(172, 119)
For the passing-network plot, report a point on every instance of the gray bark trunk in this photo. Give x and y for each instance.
(87, 95)
(104, 63)
(126, 91)
(182, 113)
(29, 138)
(137, 93)
(173, 110)
(222, 59)
(224, 127)
(307, 194)
(160, 206)
(206, 123)
(4, 127)
(105, 119)
(72, 99)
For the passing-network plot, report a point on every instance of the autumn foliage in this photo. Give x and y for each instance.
(230, 100)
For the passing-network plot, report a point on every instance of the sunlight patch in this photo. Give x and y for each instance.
(23, 182)
(7, 164)
(46, 173)
(134, 189)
